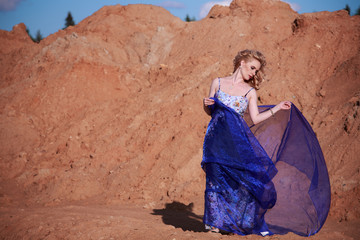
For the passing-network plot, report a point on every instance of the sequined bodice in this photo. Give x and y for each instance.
(238, 103)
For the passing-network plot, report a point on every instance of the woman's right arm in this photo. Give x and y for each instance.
(207, 101)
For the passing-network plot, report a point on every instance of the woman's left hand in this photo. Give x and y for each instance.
(285, 105)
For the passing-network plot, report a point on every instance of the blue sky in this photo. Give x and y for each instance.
(48, 16)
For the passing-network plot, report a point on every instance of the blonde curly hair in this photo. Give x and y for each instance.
(248, 55)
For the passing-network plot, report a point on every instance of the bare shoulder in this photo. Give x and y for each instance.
(252, 93)
(215, 83)
(214, 87)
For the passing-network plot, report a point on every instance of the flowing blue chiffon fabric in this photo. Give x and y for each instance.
(269, 177)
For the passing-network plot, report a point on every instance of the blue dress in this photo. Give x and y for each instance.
(277, 164)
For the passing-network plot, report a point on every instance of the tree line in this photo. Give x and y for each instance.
(69, 21)
(347, 8)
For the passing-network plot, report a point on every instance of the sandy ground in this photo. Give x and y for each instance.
(132, 222)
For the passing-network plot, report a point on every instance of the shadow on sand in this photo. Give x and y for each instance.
(181, 216)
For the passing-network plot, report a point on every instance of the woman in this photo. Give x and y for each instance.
(236, 90)
(240, 166)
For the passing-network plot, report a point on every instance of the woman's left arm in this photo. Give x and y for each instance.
(257, 117)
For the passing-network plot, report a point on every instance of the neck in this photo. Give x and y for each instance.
(237, 77)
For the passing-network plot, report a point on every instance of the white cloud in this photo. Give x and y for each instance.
(172, 4)
(296, 7)
(207, 6)
(8, 5)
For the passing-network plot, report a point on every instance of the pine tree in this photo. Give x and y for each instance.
(358, 11)
(28, 32)
(188, 19)
(38, 37)
(69, 21)
(347, 8)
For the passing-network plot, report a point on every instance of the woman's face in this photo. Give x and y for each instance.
(249, 68)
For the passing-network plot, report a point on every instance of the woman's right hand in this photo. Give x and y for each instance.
(208, 101)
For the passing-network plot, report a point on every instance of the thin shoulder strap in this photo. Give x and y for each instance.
(248, 91)
(219, 83)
